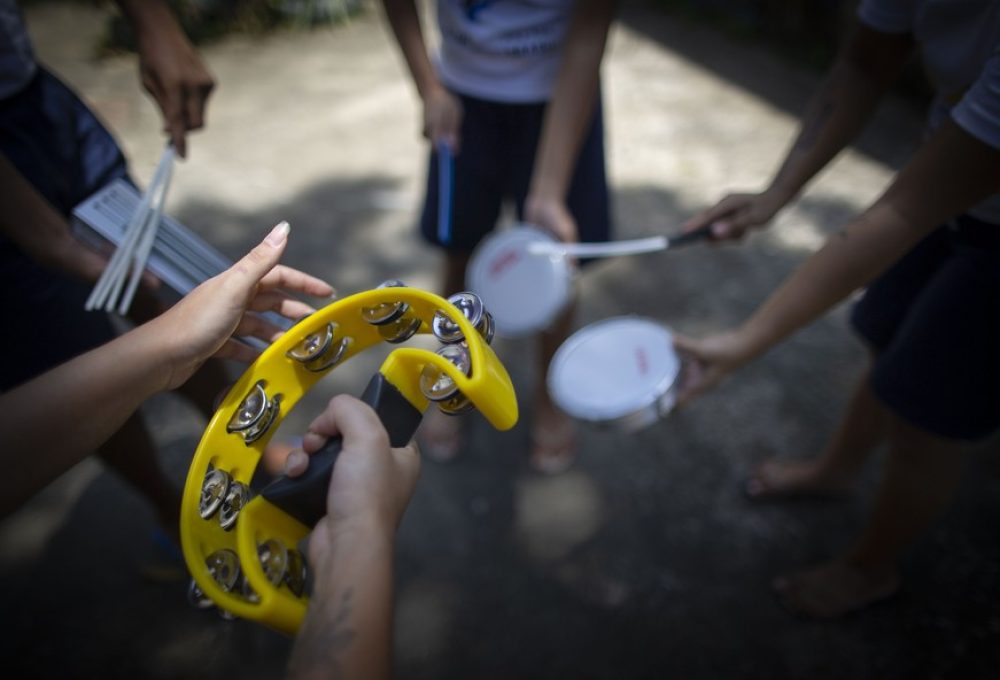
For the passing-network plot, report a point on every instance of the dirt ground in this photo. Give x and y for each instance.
(644, 560)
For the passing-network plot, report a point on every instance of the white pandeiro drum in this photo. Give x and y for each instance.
(523, 291)
(621, 371)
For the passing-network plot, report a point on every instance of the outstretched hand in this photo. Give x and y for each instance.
(734, 215)
(708, 361)
(173, 73)
(202, 324)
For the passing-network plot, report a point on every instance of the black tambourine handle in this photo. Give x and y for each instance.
(304, 497)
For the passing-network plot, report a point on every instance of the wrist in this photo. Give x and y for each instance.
(350, 539)
(166, 359)
(749, 340)
(780, 194)
(545, 190)
(429, 87)
(147, 15)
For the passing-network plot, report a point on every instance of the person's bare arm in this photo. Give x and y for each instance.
(40, 230)
(864, 70)
(347, 632)
(568, 116)
(442, 111)
(54, 421)
(951, 172)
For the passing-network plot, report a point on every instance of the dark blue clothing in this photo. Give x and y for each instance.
(61, 148)
(499, 142)
(933, 320)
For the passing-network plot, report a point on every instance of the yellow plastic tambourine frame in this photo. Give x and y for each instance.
(488, 387)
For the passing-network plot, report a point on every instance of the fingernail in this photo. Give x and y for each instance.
(296, 461)
(279, 233)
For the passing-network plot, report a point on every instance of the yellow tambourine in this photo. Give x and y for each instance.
(241, 543)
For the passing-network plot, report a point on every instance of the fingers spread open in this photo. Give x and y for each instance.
(253, 326)
(237, 351)
(281, 303)
(255, 265)
(294, 280)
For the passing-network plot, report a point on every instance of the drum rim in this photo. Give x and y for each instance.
(562, 279)
(658, 399)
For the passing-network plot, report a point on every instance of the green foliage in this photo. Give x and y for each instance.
(207, 20)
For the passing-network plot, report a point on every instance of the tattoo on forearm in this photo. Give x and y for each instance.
(324, 637)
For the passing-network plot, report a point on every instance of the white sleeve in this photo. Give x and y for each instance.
(887, 16)
(978, 112)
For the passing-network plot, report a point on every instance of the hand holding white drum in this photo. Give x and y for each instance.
(621, 371)
(525, 275)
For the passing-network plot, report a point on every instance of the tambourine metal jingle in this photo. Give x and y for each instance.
(237, 496)
(435, 383)
(224, 566)
(313, 345)
(213, 492)
(471, 306)
(251, 409)
(386, 312)
(274, 560)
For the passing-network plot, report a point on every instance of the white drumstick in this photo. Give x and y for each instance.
(141, 255)
(615, 248)
(603, 249)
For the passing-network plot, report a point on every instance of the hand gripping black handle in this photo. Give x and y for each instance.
(689, 237)
(304, 497)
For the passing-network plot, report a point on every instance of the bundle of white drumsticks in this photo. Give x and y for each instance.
(144, 238)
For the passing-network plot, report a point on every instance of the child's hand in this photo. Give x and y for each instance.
(372, 483)
(203, 323)
(708, 361)
(443, 118)
(736, 214)
(553, 215)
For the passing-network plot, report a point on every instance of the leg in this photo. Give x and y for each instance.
(131, 454)
(835, 469)
(553, 441)
(922, 472)
(877, 318)
(938, 382)
(588, 200)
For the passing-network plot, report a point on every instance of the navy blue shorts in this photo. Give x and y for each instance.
(58, 144)
(933, 321)
(495, 164)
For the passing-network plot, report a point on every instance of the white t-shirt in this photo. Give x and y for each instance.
(959, 42)
(502, 50)
(17, 60)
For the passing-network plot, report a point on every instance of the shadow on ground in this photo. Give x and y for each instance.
(643, 561)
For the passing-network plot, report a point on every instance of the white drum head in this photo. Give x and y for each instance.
(523, 292)
(620, 369)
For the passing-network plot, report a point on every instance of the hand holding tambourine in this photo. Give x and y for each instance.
(240, 544)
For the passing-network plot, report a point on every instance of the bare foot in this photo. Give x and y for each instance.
(834, 589)
(553, 441)
(773, 479)
(440, 436)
